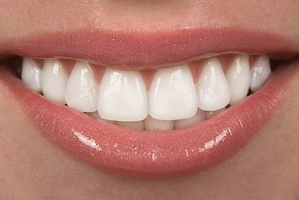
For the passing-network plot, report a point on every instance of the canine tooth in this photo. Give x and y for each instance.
(260, 71)
(238, 78)
(172, 89)
(154, 124)
(82, 90)
(212, 88)
(138, 125)
(54, 80)
(184, 123)
(122, 96)
(31, 74)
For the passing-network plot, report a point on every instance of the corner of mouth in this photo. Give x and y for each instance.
(150, 153)
(195, 66)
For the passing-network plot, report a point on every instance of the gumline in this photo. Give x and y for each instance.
(149, 153)
(152, 67)
(189, 63)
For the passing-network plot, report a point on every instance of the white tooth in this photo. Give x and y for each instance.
(172, 94)
(122, 96)
(54, 80)
(31, 74)
(210, 114)
(139, 125)
(154, 124)
(260, 71)
(184, 123)
(238, 78)
(82, 89)
(212, 88)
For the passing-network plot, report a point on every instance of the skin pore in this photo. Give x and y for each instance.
(31, 167)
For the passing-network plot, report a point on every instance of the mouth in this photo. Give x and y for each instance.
(149, 106)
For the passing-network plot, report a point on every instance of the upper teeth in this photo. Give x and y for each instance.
(122, 96)
(82, 90)
(54, 80)
(172, 94)
(238, 77)
(212, 87)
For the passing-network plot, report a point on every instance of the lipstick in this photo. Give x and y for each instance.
(145, 50)
(149, 153)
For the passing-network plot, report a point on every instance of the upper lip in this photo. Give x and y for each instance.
(149, 153)
(148, 50)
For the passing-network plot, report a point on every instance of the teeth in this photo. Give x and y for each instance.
(172, 102)
(172, 89)
(238, 78)
(260, 71)
(82, 90)
(184, 123)
(54, 80)
(154, 124)
(31, 74)
(122, 96)
(212, 88)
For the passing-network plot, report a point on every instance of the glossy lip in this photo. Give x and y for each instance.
(150, 153)
(144, 50)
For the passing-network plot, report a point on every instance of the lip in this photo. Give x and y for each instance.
(147, 50)
(150, 153)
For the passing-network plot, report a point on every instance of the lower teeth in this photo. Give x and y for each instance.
(174, 100)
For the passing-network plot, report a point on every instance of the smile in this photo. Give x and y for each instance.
(163, 99)
(156, 117)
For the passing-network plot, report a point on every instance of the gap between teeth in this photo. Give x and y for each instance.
(175, 98)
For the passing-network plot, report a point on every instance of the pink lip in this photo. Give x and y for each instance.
(150, 153)
(135, 50)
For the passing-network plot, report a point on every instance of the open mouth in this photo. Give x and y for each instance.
(151, 120)
(164, 99)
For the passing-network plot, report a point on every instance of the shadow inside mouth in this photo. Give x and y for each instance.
(149, 123)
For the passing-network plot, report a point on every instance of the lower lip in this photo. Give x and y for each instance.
(151, 153)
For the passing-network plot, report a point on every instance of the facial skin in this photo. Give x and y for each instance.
(31, 167)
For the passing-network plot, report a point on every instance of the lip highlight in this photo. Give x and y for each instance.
(149, 153)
